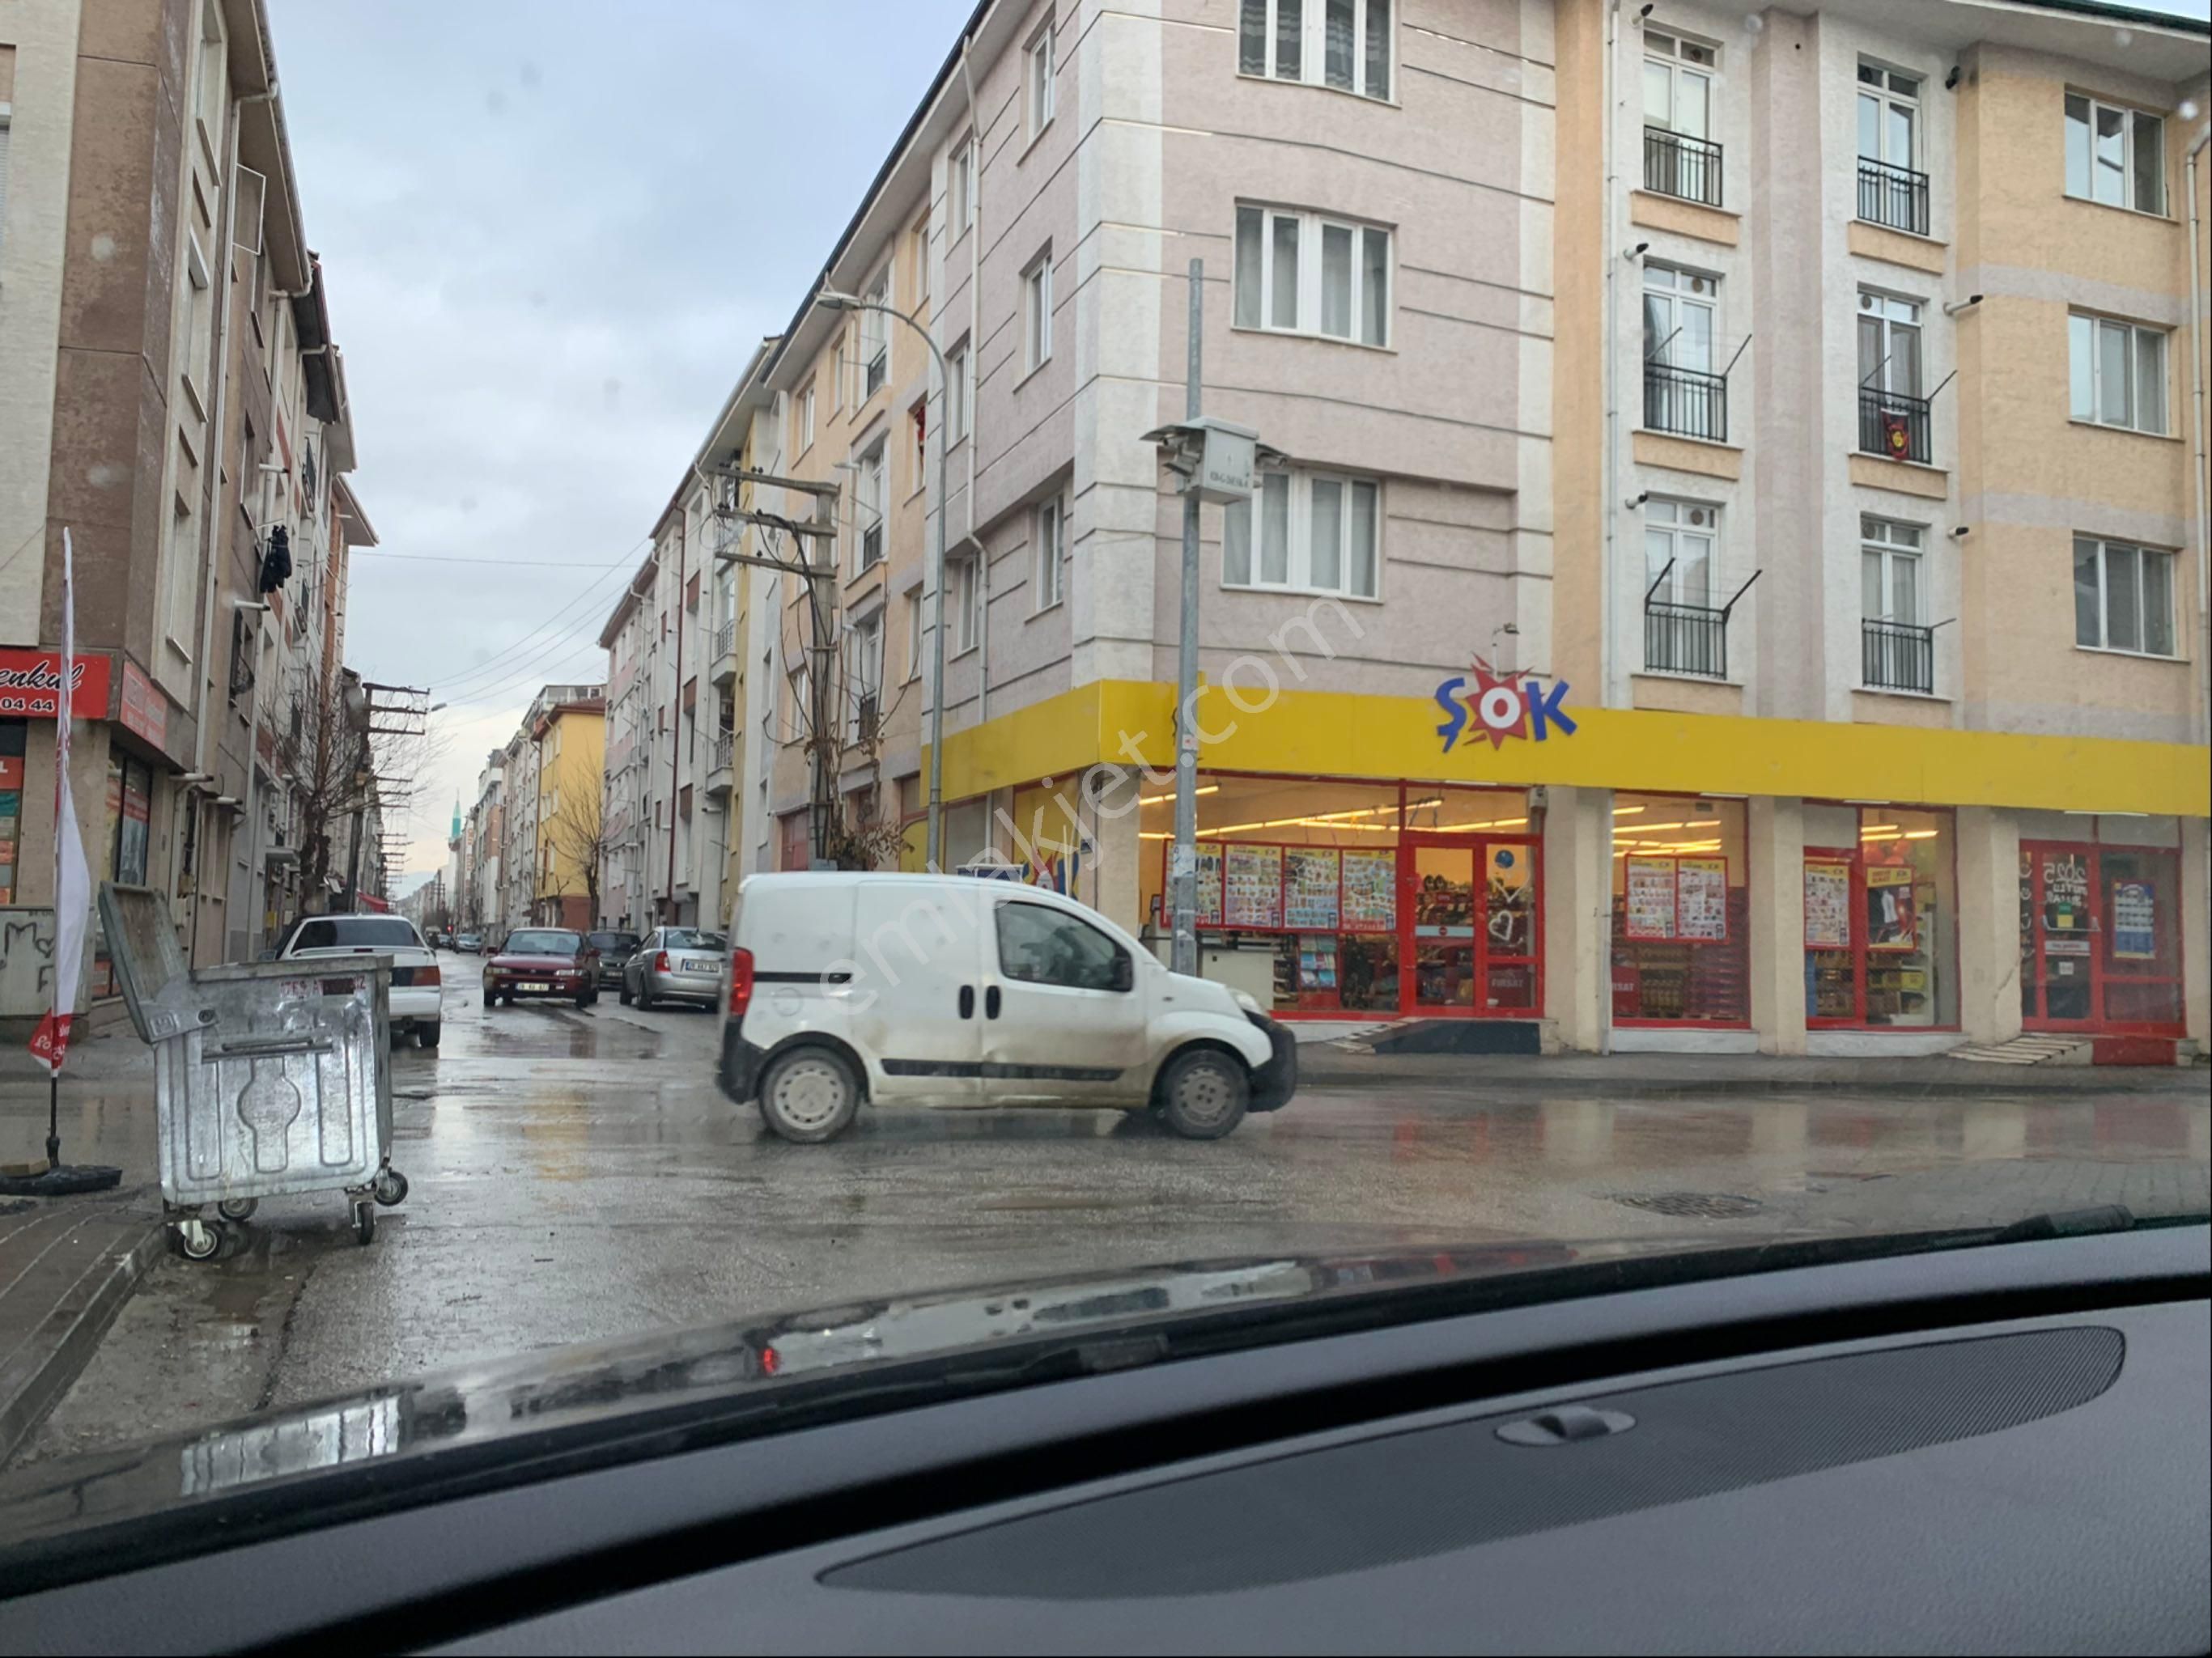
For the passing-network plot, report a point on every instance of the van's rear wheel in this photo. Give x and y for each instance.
(809, 1095)
(1203, 1093)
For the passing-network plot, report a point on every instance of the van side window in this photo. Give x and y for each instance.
(1043, 946)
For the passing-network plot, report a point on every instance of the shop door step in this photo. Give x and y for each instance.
(1454, 1036)
(2135, 1050)
(2030, 1049)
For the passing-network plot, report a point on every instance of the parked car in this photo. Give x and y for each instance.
(616, 948)
(468, 942)
(417, 985)
(948, 991)
(676, 964)
(544, 962)
(441, 939)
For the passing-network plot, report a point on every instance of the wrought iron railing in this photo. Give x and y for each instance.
(726, 639)
(1685, 639)
(1676, 164)
(1685, 401)
(1893, 425)
(726, 751)
(1893, 196)
(1897, 656)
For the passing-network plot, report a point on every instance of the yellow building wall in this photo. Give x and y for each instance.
(572, 767)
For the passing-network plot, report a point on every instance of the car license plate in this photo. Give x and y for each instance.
(534, 984)
(700, 964)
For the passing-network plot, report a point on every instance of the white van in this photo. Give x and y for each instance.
(949, 991)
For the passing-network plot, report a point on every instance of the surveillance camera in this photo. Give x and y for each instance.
(1646, 11)
(1962, 531)
(1637, 500)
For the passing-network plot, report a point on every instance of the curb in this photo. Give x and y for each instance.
(55, 1354)
(2082, 1083)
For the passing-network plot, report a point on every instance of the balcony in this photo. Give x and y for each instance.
(1894, 426)
(1675, 164)
(1894, 197)
(722, 654)
(723, 762)
(1897, 656)
(1685, 402)
(1689, 639)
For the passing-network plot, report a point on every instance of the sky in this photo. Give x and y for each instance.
(553, 235)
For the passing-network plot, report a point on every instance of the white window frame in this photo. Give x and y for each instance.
(920, 234)
(914, 630)
(2166, 561)
(806, 416)
(1665, 516)
(870, 493)
(2130, 116)
(960, 185)
(1297, 486)
(1312, 229)
(1891, 97)
(959, 392)
(1880, 539)
(1312, 25)
(1889, 312)
(180, 603)
(199, 321)
(1677, 287)
(1676, 56)
(876, 336)
(963, 580)
(1037, 312)
(1039, 70)
(1048, 549)
(2085, 333)
(863, 670)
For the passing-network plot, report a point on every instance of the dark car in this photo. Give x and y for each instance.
(615, 948)
(546, 961)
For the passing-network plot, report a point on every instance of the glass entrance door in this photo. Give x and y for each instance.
(1470, 926)
(2058, 953)
(2097, 941)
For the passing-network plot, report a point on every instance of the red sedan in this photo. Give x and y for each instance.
(543, 961)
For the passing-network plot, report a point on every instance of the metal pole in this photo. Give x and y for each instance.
(1184, 883)
(936, 831)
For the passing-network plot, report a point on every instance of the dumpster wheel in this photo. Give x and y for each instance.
(196, 1240)
(364, 1220)
(391, 1187)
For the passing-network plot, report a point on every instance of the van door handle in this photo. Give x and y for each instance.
(967, 1001)
(991, 1003)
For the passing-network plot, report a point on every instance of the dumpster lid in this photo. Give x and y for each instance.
(142, 944)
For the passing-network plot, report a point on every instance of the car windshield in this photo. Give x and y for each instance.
(355, 932)
(684, 938)
(1169, 656)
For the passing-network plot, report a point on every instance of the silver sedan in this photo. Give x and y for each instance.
(676, 964)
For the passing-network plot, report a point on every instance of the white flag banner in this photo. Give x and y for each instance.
(72, 878)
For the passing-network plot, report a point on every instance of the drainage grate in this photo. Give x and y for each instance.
(1699, 1205)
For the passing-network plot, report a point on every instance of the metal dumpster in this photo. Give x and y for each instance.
(269, 1080)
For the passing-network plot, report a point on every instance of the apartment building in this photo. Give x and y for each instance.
(548, 814)
(1734, 577)
(171, 396)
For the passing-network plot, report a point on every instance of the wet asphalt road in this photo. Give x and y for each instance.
(576, 1176)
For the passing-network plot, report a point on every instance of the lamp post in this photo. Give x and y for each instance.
(830, 298)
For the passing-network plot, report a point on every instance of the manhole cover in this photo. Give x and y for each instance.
(1699, 1205)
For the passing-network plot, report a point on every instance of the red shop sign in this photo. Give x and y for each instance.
(31, 679)
(145, 708)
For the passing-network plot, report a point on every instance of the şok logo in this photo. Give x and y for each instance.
(1504, 705)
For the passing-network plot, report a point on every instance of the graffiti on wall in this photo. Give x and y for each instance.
(27, 963)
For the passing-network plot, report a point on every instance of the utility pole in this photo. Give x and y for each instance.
(1182, 884)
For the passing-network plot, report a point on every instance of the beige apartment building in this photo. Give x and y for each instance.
(1733, 576)
(171, 396)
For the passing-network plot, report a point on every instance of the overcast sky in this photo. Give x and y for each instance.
(553, 233)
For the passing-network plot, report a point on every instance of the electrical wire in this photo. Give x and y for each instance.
(496, 665)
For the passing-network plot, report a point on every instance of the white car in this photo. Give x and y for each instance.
(949, 991)
(417, 985)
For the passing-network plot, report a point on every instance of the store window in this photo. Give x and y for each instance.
(1682, 912)
(14, 734)
(2099, 932)
(1880, 913)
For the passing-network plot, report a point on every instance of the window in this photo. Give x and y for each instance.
(960, 185)
(184, 559)
(9, 51)
(959, 392)
(914, 634)
(212, 83)
(842, 368)
(199, 320)
(1301, 273)
(1037, 312)
(804, 429)
(875, 336)
(1680, 538)
(864, 677)
(1889, 116)
(2123, 598)
(1681, 393)
(2115, 155)
(1048, 534)
(1348, 44)
(1040, 945)
(1678, 84)
(1039, 77)
(868, 508)
(917, 238)
(2117, 374)
(1892, 415)
(963, 603)
(1318, 533)
(917, 420)
(1889, 570)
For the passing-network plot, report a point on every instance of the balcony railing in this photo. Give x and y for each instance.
(726, 639)
(1893, 425)
(1893, 196)
(1897, 656)
(726, 751)
(1675, 164)
(1685, 639)
(1685, 401)
(871, 546)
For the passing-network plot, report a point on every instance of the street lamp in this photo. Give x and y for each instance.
(830, 298)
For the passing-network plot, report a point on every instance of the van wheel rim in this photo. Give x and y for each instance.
(1204, 1095)
(809, 1095)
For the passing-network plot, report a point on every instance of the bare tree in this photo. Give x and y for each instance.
(341, 763)
(578, 831)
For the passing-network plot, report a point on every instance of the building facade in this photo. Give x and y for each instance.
(171, 399)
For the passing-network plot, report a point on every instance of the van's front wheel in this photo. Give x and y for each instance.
(1203, 1093)
(809, 1095)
